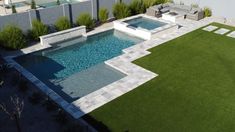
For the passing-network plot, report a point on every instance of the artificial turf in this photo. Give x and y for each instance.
(194, 92)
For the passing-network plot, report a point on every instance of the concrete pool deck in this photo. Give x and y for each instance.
(136, 75)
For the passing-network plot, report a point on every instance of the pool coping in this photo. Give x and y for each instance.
(136, 75)
(148, 17)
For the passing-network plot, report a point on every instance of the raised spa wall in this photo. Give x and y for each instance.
(144, 33)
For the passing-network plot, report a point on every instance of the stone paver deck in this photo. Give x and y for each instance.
(210, 28)
(136, 75)
(222, 31)
(232, 34)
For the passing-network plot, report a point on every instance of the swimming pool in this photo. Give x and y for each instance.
(19, 4)
(144, 23)
(54, 3)
(76, 67)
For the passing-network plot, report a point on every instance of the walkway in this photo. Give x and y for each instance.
(221, 31)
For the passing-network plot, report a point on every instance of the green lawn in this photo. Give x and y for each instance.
(194, 92)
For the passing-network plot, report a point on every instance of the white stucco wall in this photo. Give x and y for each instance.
(220, 8)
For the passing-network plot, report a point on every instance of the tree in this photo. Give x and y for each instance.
(13, 8)
(58, 2)
(15, 112)
(33, 4)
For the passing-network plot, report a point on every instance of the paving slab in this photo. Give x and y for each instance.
(232, 34)
(222, 31)
(210, 28)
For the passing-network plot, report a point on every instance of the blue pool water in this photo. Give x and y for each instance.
(76, 67)
(145, 23)
(19, 4)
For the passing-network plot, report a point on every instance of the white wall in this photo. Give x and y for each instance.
(220, 8)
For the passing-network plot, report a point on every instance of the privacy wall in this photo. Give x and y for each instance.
(49, 15)
(20, 19)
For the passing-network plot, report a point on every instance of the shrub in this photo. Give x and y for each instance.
(121, 10)
(4, 69)
(61, 117)
(62, 24)
(50, 105)
(38, 30)
(207, 12)
(103, 15)
(13, 8)
(35, 98)
(33, 4)
(168, 1)
(86, 20)
(23, 86)
(161, 2)
(12, 37)
(15, 79)
(148, 3)
(137, 7)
